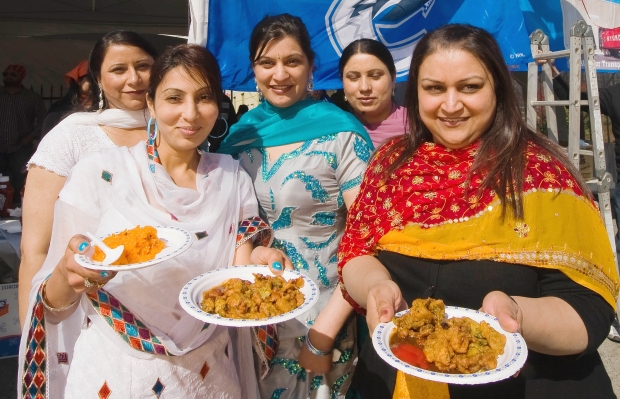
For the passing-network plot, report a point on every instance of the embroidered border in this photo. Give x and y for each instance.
(131, 330)
(34, 379)
(255, 228)
(265, 343)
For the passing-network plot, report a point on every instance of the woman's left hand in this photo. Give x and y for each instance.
(313, 363)
(275, 258)
(506, 309)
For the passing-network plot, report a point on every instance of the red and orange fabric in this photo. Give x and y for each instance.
(428, 209)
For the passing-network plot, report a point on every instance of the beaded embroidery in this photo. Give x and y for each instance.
(267, 173)
(312, 184)
(330, 157)
(284, 220)
(289, 249)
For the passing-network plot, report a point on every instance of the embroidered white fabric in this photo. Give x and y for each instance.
(80, 134)
(66, 144)
(135, 196)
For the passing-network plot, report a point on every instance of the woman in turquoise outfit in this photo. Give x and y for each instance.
(306, 159)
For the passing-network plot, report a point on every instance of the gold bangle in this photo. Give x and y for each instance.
(51, 308)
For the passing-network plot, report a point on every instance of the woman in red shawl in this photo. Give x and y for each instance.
(474, 208)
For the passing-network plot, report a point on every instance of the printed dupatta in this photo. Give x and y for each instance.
(425, 209)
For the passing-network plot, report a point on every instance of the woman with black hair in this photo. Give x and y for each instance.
(112, 114)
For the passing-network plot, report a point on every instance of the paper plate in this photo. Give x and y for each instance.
(191, 295)
(177, 241)
(515, 352)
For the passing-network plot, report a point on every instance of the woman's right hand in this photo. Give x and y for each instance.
(384, 301)
(73, 277)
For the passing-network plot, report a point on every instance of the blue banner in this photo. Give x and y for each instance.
(400, 24)
(333, 24)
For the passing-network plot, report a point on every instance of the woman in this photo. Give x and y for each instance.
(306, 159)
(474, 208)
(165, 182)
(368, 77)
(77, 97)
(119, 69)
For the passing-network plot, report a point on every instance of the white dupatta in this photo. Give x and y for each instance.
(135, 196)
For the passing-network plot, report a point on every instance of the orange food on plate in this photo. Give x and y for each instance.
(141, 245)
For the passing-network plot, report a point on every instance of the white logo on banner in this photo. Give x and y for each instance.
(399, 24)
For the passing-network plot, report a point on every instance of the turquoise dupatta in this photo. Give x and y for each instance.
(270, 126)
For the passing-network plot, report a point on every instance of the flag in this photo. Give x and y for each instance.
(225, 28)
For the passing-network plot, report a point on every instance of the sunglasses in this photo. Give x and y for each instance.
(12, 74)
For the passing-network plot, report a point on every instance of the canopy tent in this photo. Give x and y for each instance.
(49, 37)
(225, 27)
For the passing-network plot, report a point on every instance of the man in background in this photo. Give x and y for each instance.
(21, 115)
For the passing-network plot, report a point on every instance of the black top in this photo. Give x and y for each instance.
(465, 284)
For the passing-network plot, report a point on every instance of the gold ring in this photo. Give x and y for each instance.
(88, 283)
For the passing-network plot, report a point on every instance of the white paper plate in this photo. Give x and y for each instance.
(515, 352)
(191, 295)
(177, 241)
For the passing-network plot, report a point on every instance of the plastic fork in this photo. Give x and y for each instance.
(111, 254)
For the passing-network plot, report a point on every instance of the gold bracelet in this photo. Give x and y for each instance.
(51, 308)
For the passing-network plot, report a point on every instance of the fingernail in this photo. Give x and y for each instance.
(105, 274)
(277, 265)
(82, 246)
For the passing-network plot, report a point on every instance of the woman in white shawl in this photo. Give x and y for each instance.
(136, 340)
(114, 114)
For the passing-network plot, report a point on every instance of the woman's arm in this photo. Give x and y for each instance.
(549, 325)
(42, 189)
(370, 285)
(329, 322)
(67, 282)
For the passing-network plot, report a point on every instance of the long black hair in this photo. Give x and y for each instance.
(501, 156)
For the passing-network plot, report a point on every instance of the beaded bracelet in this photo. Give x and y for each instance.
(313, 350)
(50, 307)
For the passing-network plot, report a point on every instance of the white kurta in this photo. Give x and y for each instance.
(208, 363)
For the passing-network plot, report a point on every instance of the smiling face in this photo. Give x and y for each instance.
(282, 72)
(368, 86)
(185, 111)
(456, 97)
(125, 73)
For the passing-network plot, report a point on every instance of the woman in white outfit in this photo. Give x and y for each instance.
(116, 115)
(135, 340)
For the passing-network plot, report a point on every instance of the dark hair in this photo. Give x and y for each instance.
(367, 46)
(501, 156)
(196, 60)
(276, 27)
(99, 51)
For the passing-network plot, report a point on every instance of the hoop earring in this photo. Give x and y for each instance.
(101, 102)
(260, 93)
(225, 130)
(310, 83)
(153, 135)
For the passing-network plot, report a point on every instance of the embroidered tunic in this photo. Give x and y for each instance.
(301, 193)
(136, 340)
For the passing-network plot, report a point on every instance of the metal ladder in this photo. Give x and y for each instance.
(581, 48)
